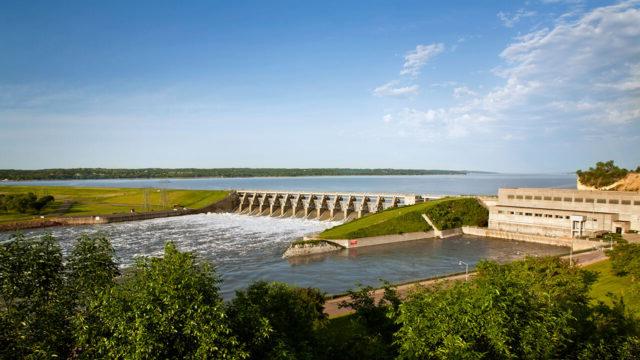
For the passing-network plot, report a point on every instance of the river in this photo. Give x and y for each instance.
(245, 249)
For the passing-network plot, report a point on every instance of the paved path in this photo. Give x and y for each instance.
(332, 309)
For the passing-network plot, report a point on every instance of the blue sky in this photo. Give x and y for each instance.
(536, 86)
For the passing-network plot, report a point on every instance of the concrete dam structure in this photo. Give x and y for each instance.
(319, 205)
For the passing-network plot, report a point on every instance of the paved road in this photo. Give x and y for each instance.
(332, 309)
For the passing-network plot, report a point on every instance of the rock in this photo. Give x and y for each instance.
(310, 248)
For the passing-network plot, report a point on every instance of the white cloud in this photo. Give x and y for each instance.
(463, 91)
(387, 118)
(509, 20)
(414, 60)
(578, 78)
(391, 89)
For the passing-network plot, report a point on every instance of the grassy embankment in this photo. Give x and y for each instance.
(608, 282)
(76, 201)
(447, 213)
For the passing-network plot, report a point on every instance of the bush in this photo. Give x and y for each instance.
(24, 202)
(455, 213)
(625, 260)
(604, 174)
(277, 321)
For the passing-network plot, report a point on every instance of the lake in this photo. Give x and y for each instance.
(474, 183)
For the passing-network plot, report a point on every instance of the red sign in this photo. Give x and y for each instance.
(353, 242)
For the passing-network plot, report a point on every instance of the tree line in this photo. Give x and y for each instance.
(83, 306)
(153, 173)
(23, 203)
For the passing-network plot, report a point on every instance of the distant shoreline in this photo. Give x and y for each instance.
(189, 173)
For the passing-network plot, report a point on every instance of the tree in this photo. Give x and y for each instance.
(369, 333)
(527, 309)
(277, 321)
(625, 260)
(605, 173)
(166, 308)
(33, 313)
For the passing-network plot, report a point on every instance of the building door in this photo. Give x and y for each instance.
(618, 230)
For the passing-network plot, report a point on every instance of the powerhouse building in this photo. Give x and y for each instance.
(565, 212)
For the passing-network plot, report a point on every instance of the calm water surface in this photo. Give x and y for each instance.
(477, 184)
(245, 249)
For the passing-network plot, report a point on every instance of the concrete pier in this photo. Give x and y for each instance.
(320, 205)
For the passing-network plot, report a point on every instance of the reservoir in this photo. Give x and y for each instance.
(473, 183)
(245, 249)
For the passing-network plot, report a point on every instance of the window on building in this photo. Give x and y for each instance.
(548, 215)
(528, 197)
(499, 211)
(548, 198)
(577, 200)
(567, 199)
(538, 215)
(602, 201)
(558, 216)
(567, 217)
(537, 198)
(510, 196)
(588, 201)
(527, 214)
(625, 202)
(557, 199)
(519, 213)
(636, 202)
(511, 213)
(613, 201)
(519, 197)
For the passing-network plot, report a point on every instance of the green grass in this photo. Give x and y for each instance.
(103, 201)
(608, 282)
(447, 212)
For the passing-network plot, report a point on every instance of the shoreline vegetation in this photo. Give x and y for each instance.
(163, 173)
(72, 202)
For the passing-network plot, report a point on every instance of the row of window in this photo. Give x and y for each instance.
(576, 200)
(549, 216)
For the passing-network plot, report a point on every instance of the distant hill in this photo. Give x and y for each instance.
(153, 173)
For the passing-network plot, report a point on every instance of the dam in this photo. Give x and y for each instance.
(320, 205)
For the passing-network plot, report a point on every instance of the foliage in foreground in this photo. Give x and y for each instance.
(533, 309)
(625, 260)
(170, 307)
(277, 321)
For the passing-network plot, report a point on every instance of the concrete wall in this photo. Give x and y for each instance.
(556, 241)
(382, 240)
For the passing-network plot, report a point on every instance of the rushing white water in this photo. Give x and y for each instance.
(246, 249)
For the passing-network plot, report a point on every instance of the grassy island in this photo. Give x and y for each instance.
(447, 213)
(79, 201)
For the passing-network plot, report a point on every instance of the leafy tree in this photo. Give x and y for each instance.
(371, 328)
(605, 173)
(167, 308)
(33, 313)
(277, 321)
(625, 260)
(611, 333)
(24, 202)
(527, 309)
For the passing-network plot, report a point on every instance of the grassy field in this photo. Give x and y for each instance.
(76, 201)
(608, 282)
(447, 213)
